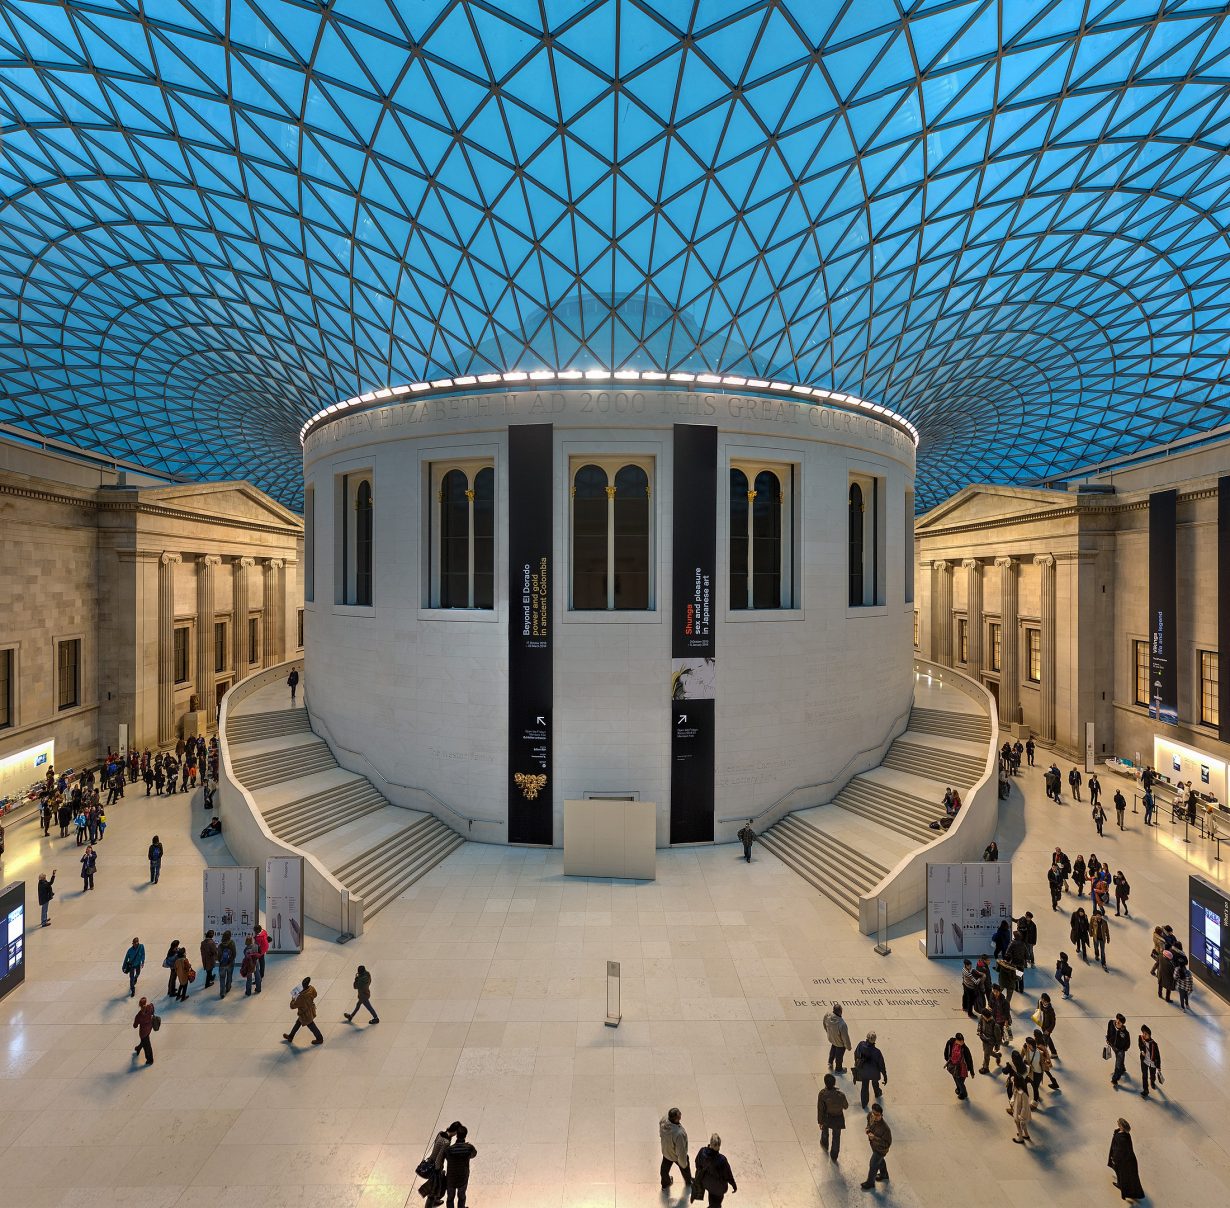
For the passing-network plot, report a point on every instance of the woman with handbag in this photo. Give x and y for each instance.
(431, 1170)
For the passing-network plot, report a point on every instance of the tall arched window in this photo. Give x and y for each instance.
(760, 536)
(463, 553)
(740, 539)
(611, 536)
(355, 523)
(767, 542)
(363, 544)
(856, 543)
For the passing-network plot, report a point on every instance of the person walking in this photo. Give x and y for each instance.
(89, 866)
(1122, 1161)
(1095, 789)
(1099, 930)
(1074, 783)
(250, 969)
(1063, 974)
(990, 853)
(1183, 980)
(1029, 751)
(1045, 1048)
(226, 964)
(134, 962)
(1078, 933)
(261, 936)
(457, 1165)
(1150, 1061)
(292, 682)
(209, 958)
(363, 987)
(1078, 875)
(869, 1068)
(160, 777)
(1120, 807)
(1122, 892)
(958, 1063)
(154, 854)
(831, 1106)
(184, 974)
(1054, 878)
(1099, 817)
(880, 1138)
(46, 891)
(839, 1039)
(1118, 1041)
(146, 1022)
(1019, 1106)
(168, 963)
(1044, 1017)
(747, 837)
(1165, 973)
(988, 1035)
(1034, 1059)
(303, 1003)
(971, 987)
(713, 1173)
(674, 1139)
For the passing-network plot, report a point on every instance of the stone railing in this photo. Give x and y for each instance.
(251, 842)
(904, 889)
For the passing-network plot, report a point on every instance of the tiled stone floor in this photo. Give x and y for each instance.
(489, 979)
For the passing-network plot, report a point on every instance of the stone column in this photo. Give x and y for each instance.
(166, 647)
(205, 634)
(1009, 665)
(942, 614)
(974, 573)
(1046, 567)
(274, 590)
(239, 615)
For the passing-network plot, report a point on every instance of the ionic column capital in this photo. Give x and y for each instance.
(1047, 560)
(969, 564)
(211, 560)
(168, 559)
(245, 563)
(274, 563)
(942, 565)
(1005, 562)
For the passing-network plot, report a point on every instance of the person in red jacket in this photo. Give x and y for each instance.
(144, 1023)
(262, 946)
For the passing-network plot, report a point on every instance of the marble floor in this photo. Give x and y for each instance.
(489, 980)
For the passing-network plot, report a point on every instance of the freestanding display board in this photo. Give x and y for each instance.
(1163, 640)
(284, 903)
(1209, 916)
(231, 896)
(12, 936)
(965, 905)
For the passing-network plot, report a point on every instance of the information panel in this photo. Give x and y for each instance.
(530, 790)
(965, 905)
(284, 903)
(1209, 915)
(1163, 647)
(231, 896)
(12, 936)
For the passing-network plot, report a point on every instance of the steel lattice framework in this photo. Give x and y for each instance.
(1004, 218)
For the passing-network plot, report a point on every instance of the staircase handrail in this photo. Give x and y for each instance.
(841, 776)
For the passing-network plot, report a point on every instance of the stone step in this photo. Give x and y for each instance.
(933, 763)
(261, 771)
(886, 816)
(301, 821)
(864, 871)
(876, 794)
(825, 879)
(383, 872)
(976, 727)
(253, 726)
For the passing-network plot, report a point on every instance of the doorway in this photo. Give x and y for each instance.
(220, 690)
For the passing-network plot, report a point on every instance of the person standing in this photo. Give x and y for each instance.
(226, 964)
(145, 1023)
(1045, 1018)
(250, 969)
(1079, 932)
(209, 958)
(433, 1188)
(1099, 817)
(988, 1034)
(713, 1173)
(147, 774)
(363, 987)
(292, 682)
(1029, 751)
(1120, 807)
(46, 892)
(134, 962)
(1099, 930)
(89, 866)
(183, 974)
(159, 776)
(457, 1165)
(869, 1068)
(1118, 1041)
(971, 988)
(1078, 875)
(958, 1063)
(1063, 974)
(831, 1106)
(1074, 783)
(880, 1137)
(1054, 878)
(1150, 1061)
(1122, 891)
(1027, 927)
(674, 1139)
(1122, 1161)
(1150, 806)
(1095, 790)
(839, 1039)
(303, 1003)
(990, 853)
(154, 854)
(1183, 980)
(747, 837)
(261, 936)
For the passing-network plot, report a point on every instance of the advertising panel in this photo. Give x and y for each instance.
(530, 790)
(284, 903)
(12, 936)
(231, 896)
(1163, 640)
(693, 610)
(1209, 916)
(965, 905)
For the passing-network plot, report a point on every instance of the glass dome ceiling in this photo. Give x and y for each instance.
(1005, 220)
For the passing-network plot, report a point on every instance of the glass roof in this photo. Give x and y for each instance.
(1006, 220)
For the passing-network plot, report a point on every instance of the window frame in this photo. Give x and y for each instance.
(1208, 687)
(222, 625)
(181, 661)
(872, 485)
(78, 692)
(962, 641)
(787, 474)
(299, 628)
(348, 570)
(611, 463)
(309, 543)
(1033, 654)
(917, 630)
(1138, 646)
(470, 467)
(8, 688)
(255, 636)
(995, 646)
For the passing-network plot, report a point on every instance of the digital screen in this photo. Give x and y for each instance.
(12, 936)
(1210, 922)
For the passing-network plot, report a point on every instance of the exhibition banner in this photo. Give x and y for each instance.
(231, 896)
(692, 613)
(12, 936)
(1223, 607)
(1163, 640)
(284, 903)
(965, 905)
(530, 478)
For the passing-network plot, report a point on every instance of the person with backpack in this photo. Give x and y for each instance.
(134, 962)
(303, 1003)
(958, 1063)
(154, 855)
(869, 1068)
(250, 970)
(45, 893)
(226, 964)
(713, 1173)
(363, 987)
(146, 1022)
(1183, 979)
(831, 1106)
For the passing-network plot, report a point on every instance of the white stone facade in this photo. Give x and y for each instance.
(421, 692)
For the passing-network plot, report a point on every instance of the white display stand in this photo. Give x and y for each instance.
(604, 838)
(965, 905)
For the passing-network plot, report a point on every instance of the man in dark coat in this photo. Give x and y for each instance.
(1122, 1161)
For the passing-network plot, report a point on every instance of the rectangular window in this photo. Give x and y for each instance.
(996, 634)
(908, 542)
(254, 640)
(68, 673)
(761, 535)
(299, 624)
(183, 654)
(6, 689)
(962, 640)
(917, 630)
(1140, 656)
(462, 535)
(309, 544)
(220, 645)
(1210, 710)
(612, 534)
(1033, 655)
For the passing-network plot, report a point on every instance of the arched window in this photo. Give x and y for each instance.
(463, 557)
(611, 536)
(760, 536)
(856, 543)
(354, 502)
(363, 544)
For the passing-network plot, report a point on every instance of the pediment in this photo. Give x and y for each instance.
(237, 500)
(979, 504)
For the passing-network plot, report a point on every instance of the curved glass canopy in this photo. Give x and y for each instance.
(1006, 220)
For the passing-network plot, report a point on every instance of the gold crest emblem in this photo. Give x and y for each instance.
(529, 784)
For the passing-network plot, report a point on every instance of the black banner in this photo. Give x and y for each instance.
(1223, 608)
(1163, 641)
(529, 634)
(693, 605)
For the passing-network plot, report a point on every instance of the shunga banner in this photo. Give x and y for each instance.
(284, 903)
(1163, 640)
(530, 790)
(1223, 607)
(693, 612)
